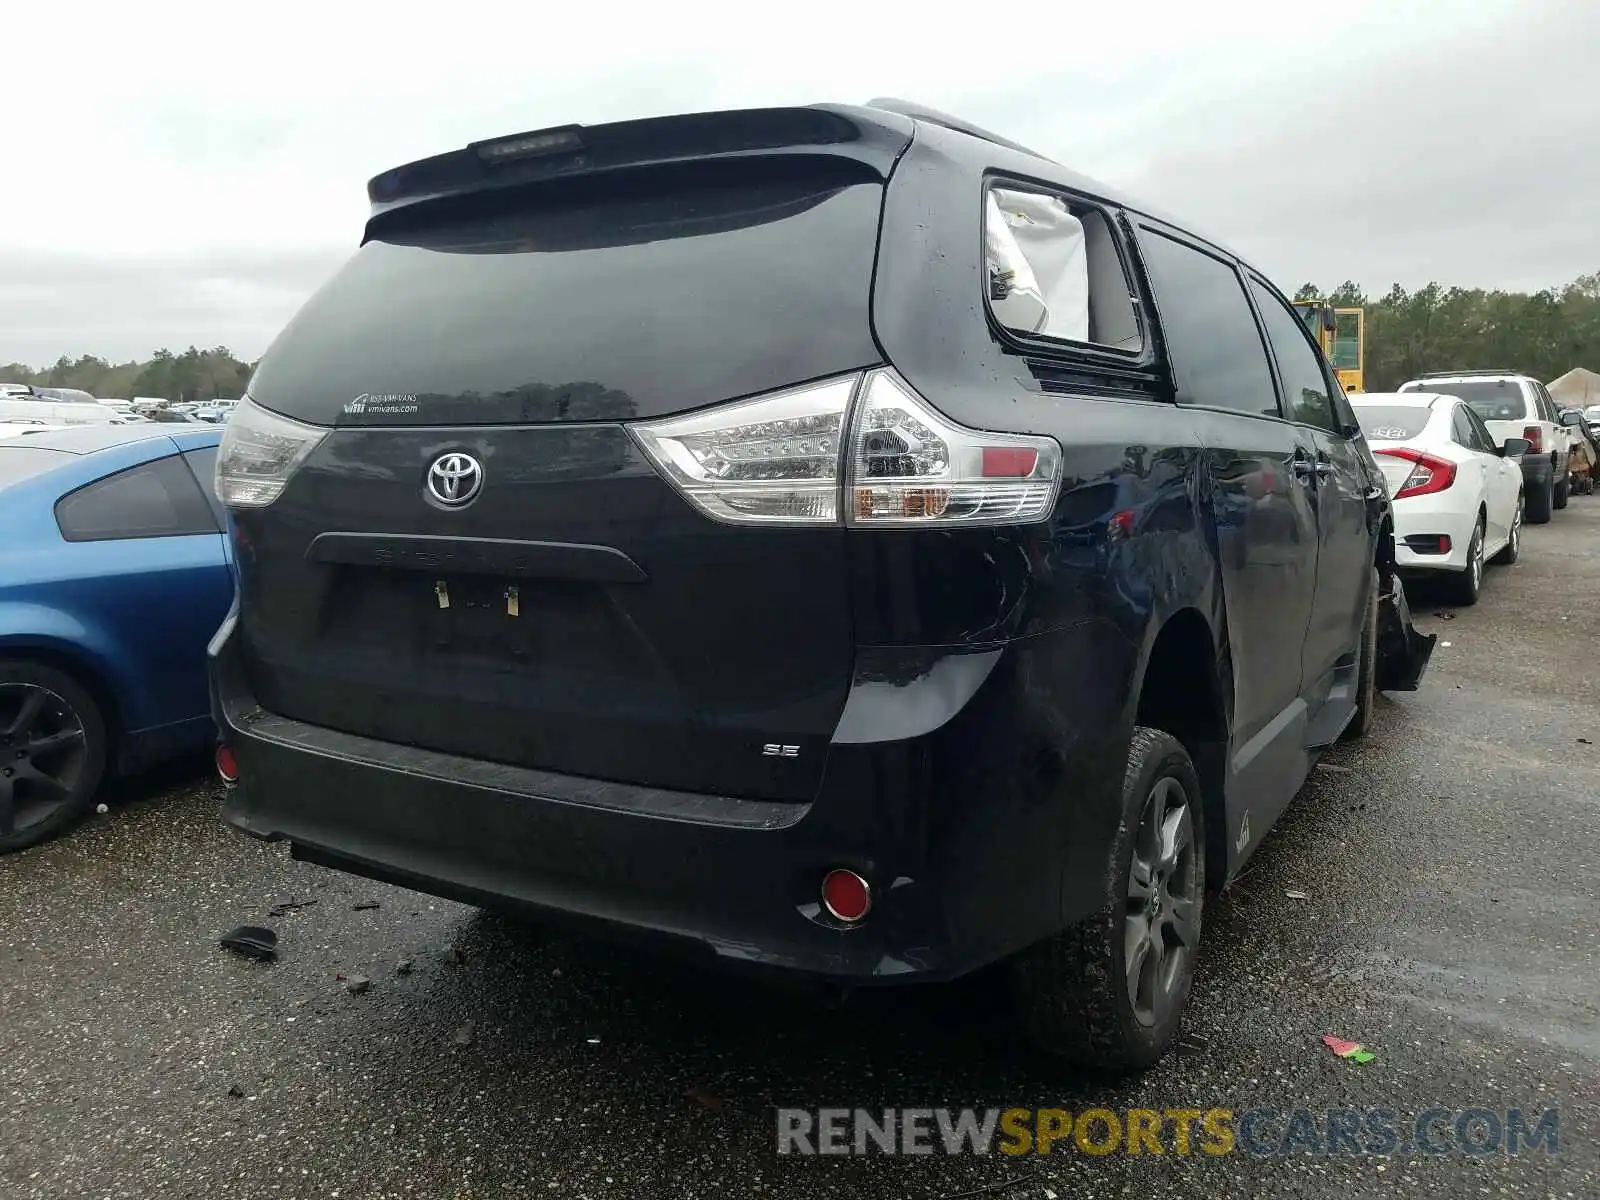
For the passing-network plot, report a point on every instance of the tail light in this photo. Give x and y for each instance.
(1429, 473)
(911, 466)
(759, 462)
(259, 451)
(1535, 437)
(863, 450)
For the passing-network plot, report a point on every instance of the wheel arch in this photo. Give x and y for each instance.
(87, 673)
(1184, 689)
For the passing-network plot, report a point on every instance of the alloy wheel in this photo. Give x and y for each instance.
(1160, 927)
(43, 750)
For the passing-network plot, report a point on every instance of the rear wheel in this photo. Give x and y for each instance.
(1513, 546)
(1109, 993)
(1540, 502)
(52, 753)
(1463, 588)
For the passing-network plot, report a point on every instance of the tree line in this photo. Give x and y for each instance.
(1434, 328)
(1544, 334)
(195, 376)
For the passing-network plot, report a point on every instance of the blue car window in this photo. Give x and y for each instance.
(155, 499)
(203, 462)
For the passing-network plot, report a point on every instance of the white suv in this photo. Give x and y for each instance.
(1514, 405)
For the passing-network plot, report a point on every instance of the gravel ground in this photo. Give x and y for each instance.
(1449, 873)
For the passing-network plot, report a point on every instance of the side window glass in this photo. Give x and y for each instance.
(1218, 358)
(158, 499)
(203, 462)
(1054, 271)
(1547, 411)
(1307, 396)
(1482, 439)
(1460, 429)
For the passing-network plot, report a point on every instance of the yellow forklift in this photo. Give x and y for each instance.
(1342, 334)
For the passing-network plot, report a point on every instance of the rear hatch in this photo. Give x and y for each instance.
(578, 615)
(1502, 403)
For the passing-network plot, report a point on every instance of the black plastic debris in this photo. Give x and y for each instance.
(252, 941)
(364, 906)
(288, 906)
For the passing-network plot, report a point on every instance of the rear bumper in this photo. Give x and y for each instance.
(1537, 469)
(1410, 520)
(969, 857)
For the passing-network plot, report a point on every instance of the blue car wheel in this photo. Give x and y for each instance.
(52, 753)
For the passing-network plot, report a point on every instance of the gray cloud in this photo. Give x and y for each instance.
(54, 303)
(1443, 139)
(1474, 161)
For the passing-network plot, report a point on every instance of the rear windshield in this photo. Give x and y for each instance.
(1493, 400)
(1391, 422)
(17, 463)
(601, 301)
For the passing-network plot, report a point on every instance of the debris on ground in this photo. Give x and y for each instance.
(995, 1189)
(236, 1092)
(1333, 768)
(455, 956)
(464, 1035)
(1354, 1051)
(357, 984)
(102, 809)
(594, 1041)
(403, 967)
(1445, 615)
(705, 1099)
(364, 906)
(285, 907)
(1294, 895)
(252, 941)
(1585, 742)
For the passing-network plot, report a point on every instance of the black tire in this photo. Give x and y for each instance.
(1510, 552)
(1074, 990)
(1563, 491)
(1463, 588)
(1541, 502)
(52, 753)
(1367, 672)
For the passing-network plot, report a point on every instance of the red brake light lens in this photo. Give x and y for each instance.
(1429, 474)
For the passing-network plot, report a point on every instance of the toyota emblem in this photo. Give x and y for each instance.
(455, 479)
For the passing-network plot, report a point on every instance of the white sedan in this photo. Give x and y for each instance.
(1457, 495)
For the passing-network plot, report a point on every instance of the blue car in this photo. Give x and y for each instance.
(114, 574)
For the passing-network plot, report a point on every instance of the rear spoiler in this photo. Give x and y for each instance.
(874, 138)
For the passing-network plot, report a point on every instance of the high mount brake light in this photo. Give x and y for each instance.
(529, 145)
(1429, 473)
(777, 459)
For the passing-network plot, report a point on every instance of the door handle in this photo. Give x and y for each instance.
(1324, 469)
(1303, 468)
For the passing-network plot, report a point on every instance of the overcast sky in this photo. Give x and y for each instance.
(184, 173)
